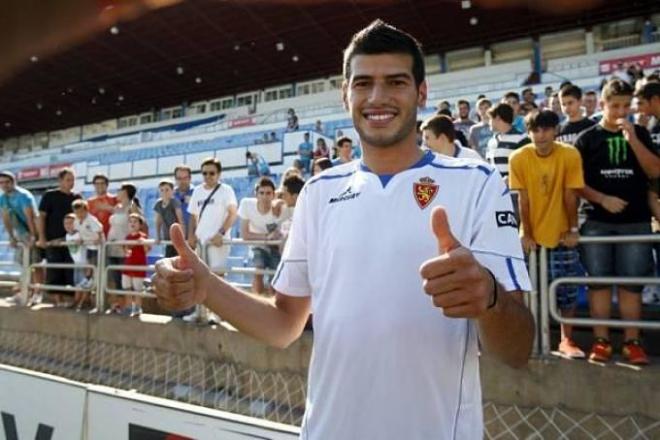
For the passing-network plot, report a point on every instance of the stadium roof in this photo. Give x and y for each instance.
(232, 46)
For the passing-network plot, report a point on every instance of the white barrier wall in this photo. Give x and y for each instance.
(33, 406)
(43, 407)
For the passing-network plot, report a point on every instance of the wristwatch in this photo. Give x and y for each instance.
(222, 231)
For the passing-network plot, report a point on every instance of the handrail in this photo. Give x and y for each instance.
(549, 292)
(554, 310)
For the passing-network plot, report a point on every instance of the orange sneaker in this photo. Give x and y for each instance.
(601, 350)
(634, 353)
(570, 349)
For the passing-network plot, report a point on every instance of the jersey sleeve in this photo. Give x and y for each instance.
(495, 242)
(292, 275)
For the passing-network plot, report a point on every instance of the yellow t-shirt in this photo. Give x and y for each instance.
(545, 179)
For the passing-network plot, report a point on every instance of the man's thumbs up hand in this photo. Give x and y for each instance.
(455, 280)
(180, 282)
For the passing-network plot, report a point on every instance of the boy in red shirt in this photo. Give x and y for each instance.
(136, 255)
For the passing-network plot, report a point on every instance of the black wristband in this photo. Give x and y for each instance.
(495, 289)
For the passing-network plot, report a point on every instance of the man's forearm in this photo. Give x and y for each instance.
(571, 208)
(255, 316)
(41, 226)
(507, 330)
(591, 194)
(649, 162)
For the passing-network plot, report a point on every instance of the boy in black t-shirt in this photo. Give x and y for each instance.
(570, 98)
(618, 160)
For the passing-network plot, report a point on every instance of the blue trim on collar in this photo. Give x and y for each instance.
(426, 159)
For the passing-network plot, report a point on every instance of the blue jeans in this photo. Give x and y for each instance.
(620, 259)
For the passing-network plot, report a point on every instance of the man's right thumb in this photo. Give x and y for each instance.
(186, 253)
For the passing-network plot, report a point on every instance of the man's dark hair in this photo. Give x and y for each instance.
(616, 87)
(527, 90)
(483, 101)
(571, 90)
(382, 38)
(183, 167)
(293, 184)
(444, 111)
(323, 162)
(100, 176)
(462, 101)
(130, 189)
(212, 161)
(343, 139)
(648, 90)
(564, 84)
(64, 171)
(440, 124)
(9, 175)
(264, 181)
(591, 93)
(503, 111)
(542, 119)
(512, 94)
(166, 182)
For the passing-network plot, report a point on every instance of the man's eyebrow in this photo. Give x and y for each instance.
(401, 75)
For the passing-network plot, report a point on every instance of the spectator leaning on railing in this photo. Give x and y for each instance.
(546, 175)
(213, 207)
(258, 222)
(618, 161)
(91, 234)
(20, 216)
(102, 205)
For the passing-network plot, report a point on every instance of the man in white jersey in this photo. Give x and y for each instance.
(398, 306)
(440, 136)
(213, 210)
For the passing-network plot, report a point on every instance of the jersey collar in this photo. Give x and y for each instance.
(426, 159)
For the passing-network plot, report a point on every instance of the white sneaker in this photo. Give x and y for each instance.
(14, 300)
(37, 298)
(192, 317)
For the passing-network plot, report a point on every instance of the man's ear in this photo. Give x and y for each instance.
(422, 94)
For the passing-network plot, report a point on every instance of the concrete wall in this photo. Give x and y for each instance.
(572, 386)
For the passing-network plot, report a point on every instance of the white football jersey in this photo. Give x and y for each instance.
(386, 363)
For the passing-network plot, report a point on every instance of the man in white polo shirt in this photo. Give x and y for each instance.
(213, 210)
(398, 306)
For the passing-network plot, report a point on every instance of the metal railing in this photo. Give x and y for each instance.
(548, 291)
(24, 279)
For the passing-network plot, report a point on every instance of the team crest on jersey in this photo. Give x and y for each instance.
(425, 191)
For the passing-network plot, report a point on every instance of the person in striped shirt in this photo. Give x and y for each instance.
(506, 138)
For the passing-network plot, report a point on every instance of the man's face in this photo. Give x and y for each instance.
(66, 182)
(463, 111)
(649, 107)
(498, 125)
(616, 107)
(382, 98)
(432, 141)
(165, 192)
(514, 103)
(306, 136)
(80, 212)
(528, 96)
(211, 175)
(346, 150)
(570, 106)
(483, 111)
(590, 102)
(289, 199)
(555, 105)
(6, 184)
(100, 186)
(542, 136)
(182, 178)
(265, 194)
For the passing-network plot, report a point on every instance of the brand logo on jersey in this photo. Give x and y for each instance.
(348, 194)
(506, 218)
(425, 191)
(617, 149)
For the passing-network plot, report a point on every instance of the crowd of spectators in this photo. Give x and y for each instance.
(577, 163)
